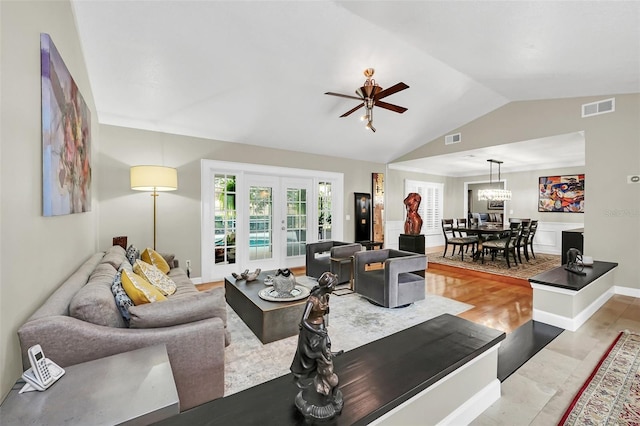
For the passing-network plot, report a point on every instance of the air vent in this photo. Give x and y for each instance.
(454, 138)
(600, 107)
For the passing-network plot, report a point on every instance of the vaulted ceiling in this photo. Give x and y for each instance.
(255, 72)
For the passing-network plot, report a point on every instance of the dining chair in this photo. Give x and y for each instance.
(462, 223)
(450, 238)
(506, 244)
(533, 227)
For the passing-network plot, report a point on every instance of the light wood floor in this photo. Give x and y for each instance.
(503, 304)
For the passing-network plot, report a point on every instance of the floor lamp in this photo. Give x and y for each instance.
(155, 179)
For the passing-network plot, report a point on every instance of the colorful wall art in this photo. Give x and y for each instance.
(66, 138)
(561, 194)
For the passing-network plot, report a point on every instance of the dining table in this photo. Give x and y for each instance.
(482, 231)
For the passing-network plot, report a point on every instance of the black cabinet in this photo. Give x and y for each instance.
(572, 238)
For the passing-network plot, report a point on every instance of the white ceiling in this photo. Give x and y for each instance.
(255, 72)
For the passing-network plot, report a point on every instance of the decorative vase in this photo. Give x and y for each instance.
(284, 282)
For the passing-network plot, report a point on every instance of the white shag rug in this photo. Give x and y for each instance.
(353, 322)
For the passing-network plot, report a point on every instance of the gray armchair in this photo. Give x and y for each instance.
(318, 258)
(398, 284)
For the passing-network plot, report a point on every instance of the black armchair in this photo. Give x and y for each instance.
(398, 284)
(318, 258)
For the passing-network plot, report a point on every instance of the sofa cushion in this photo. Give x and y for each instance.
(94, 303)
(155, 277)
(180, 310)
(123, 301)
(154, 258)
(140, 290)
(114, 256)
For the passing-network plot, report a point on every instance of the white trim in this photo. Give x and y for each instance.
(627, 291)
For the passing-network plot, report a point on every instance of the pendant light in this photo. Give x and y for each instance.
(494, 194)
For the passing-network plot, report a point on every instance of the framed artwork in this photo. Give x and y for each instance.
(561, 194)
(66, 137)
(362, 215)
(377, 189)
(495, 205)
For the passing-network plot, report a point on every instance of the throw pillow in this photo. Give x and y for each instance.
(154, 258)
(155, 277)
(139, 290)
(123, 302)
(132, 254)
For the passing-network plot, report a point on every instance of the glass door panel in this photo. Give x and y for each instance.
(296, 221)
(225, 214)
(260, 222)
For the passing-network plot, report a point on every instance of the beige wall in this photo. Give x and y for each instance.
(37, 252)
(127, 212)
(612, 150)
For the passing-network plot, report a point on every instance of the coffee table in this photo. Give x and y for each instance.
(269, 321)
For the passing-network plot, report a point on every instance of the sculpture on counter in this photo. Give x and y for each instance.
(246, 275)
(574, 262)
(312, 366)
(413, 223)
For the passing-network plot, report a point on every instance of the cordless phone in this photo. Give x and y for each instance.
(43, 372)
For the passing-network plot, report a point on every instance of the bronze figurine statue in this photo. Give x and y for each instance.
(413, 223)
(312, 366)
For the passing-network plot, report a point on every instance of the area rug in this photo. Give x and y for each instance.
(353, 321)
(543, 262)
(611, 395)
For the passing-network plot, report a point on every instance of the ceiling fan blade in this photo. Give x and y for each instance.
(390, 90)
(342, 96)
(391, 107)
(352, 110)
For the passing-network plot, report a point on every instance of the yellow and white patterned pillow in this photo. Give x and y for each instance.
(154, 258)
(155, 277)
(139, 290)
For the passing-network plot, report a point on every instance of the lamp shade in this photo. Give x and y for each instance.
(154, 178)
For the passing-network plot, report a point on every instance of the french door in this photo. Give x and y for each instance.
(277, 220)
(257, 216)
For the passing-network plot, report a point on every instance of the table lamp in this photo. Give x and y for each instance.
(155, 179)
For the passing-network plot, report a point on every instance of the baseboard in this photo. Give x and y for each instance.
(196, 280)
(627, 291)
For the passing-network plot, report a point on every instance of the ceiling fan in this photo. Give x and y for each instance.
(370, 94)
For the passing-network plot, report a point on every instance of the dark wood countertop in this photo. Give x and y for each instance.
(374, 378)
(560, 277)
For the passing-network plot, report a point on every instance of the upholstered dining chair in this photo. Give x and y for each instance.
(398, 283)
(462, 223)
(451, 239)
(507, 244)
(319, 254)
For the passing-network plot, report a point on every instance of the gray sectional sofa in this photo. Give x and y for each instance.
(80, 322)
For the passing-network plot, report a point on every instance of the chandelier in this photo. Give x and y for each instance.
(494, 194)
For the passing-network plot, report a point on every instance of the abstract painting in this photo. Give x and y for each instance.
(561, 194)
(66, 138)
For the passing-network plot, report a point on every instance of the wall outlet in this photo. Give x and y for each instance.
(188, 262)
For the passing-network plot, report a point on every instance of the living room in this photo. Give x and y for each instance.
(40, 252)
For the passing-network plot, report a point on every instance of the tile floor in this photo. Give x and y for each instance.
(540, 391)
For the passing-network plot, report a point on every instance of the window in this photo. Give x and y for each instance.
(430, 209)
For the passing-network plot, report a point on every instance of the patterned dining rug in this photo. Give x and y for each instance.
(353, 321)
(543, 262)
(611, 395)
